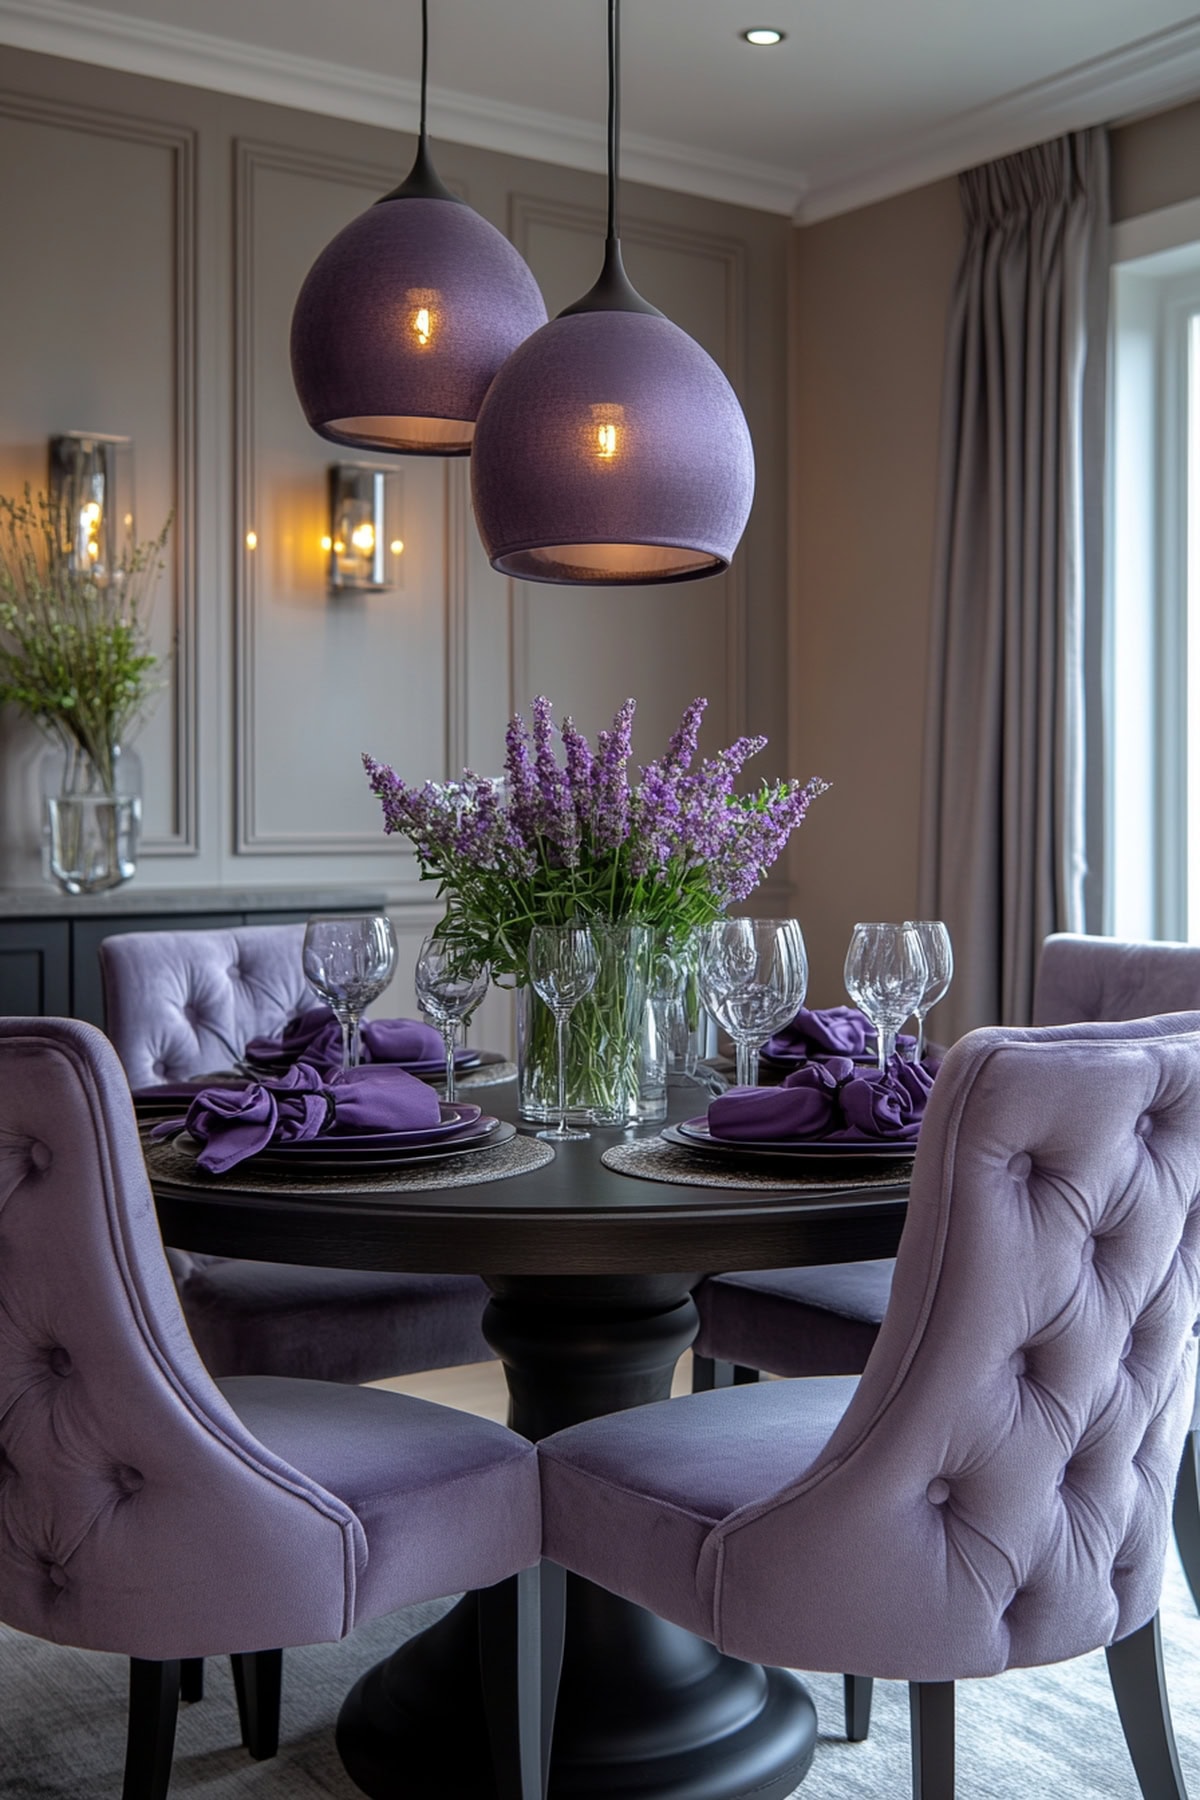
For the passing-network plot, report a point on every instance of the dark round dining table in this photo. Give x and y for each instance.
(591, 1275)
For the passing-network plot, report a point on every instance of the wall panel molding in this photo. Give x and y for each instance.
(252, 157)
(527, 211)
(182, 839)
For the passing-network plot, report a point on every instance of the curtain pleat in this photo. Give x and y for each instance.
(1002, 855)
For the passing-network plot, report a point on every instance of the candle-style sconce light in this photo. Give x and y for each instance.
(91, 488)
(364, 541)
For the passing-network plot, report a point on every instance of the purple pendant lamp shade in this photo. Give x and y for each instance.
(610, 448)
(404, 319)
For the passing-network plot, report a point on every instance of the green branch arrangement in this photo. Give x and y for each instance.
(75, 653)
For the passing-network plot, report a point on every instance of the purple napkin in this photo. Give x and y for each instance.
(831, 1031)
(834, 1101)
(234, 1123)
(315, 1037)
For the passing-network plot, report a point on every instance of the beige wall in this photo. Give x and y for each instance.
(868, 313)
(869, 293)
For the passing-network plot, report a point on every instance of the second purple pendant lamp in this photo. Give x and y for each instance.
(606, 448)
(610, 448)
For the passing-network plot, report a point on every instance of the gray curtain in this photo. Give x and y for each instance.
(1017, 566)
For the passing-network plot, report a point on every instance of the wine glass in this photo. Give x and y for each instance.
(562, 969)
(939, 962)
(349, 961)
(449, 986)
(753, 978)
(885, 976)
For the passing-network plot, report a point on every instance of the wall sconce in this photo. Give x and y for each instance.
(91, 489)
(363, 541)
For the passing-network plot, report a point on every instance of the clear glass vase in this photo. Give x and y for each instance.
(91, 819)
(604, 1038)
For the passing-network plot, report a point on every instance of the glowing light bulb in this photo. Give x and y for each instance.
(252, 540)
(91, 512)
(605, 433)
(327, 543)
(423, 325)
(339, 548)
(93, 548)
(363, 538)
(397, 546)
(606, 438)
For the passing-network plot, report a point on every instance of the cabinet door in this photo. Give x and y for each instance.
(88, 934)
(35, 967)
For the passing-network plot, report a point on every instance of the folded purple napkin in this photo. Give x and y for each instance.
(234, 1123)
(828, 1031)
(314, 1036)
(835, 1101)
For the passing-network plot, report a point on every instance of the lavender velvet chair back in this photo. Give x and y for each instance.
(1082, 977)
(179, 1003)
(1015, 1435)
(136, 1512)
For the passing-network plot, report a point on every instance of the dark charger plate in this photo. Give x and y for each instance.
(345, 1159)
(810, 1159)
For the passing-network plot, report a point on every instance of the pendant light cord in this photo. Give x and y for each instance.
(614, 109)
(424, 61)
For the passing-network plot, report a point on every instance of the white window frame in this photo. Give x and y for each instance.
(1151, 656)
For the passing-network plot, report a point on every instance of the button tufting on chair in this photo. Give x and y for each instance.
(56, 1575)
(1020, 1165)
(1145, 1125)
(182, 1003)
(938, 1491)
(39, 1155)
(59, 1360)
(130, 1480)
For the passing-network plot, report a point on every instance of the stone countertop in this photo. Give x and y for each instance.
(48, 903)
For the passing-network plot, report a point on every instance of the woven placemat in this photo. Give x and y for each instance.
(486, 1075)
(518, 1157)
(650, 1159)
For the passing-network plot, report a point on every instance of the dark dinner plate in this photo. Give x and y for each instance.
(816, 1157)
(340, 1156)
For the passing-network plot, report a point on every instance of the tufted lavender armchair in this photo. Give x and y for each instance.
(145, 1510)
(182, 1003)
(994, 1492)
(824, 1320)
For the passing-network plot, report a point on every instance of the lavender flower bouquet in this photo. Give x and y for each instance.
(556, 842)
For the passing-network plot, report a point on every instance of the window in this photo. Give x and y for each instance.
(1152, 627)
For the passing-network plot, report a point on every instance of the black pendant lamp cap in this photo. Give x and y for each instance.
(422, 181)
(613, 292)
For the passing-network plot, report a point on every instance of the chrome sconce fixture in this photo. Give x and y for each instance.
(91, 490)
(363, 543)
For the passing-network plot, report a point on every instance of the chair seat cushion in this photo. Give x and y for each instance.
(816, 1321)
(447, 1500)
(258, 1318)
(629, 1499)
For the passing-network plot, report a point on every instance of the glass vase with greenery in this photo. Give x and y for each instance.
(76, 658)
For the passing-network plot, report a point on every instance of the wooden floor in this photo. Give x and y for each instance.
(479, 1388)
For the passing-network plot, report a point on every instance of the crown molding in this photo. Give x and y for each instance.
(250, 71)
(1155, 72)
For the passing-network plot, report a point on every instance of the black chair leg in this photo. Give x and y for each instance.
(1186, 1517)
(258, 1684)
(153, 1709)
(514, 1679)
(931, 1714)
(1135, 1668)
(857, 1691)
(191, 1679)
(708, 1373)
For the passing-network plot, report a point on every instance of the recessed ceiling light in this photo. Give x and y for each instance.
(764, 34)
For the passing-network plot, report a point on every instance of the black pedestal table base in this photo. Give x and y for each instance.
(646, 1711)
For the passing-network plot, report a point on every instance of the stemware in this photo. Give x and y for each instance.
(449, 986)
(885, 976)
(349, 960)
(753, 978)
(939, 963)
(562, 970)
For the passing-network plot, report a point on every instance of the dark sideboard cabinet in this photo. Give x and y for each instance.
(49, 943)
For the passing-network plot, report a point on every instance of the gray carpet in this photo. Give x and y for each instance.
(1047, 1734)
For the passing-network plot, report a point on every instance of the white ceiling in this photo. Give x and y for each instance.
(864, 98)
